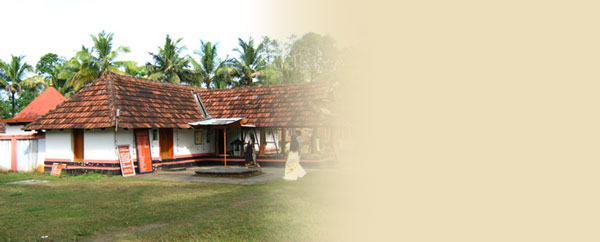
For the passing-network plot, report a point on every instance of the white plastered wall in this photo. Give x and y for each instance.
(154, 145)
(41, 151)
(99, 145)
(184, 142)
(58, 144)
(16, 129)
(126, 137)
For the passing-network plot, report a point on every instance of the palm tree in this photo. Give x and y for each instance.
(131, 68)
(105, 55)
(92, 63)
(225, 73)
(250, 63)
(212, 70)
(80, 69)
(168, 65)
(12, 77)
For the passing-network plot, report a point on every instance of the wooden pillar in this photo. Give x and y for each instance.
(13, 155)
(263, 142)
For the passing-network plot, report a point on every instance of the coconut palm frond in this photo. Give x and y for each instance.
(169, 63)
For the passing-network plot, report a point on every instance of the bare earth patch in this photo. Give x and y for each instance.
(28, 182)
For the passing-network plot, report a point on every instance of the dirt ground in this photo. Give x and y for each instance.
(269, 173)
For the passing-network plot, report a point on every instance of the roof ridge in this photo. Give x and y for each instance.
(150, 80)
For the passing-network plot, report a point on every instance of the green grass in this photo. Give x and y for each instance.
(117, 208)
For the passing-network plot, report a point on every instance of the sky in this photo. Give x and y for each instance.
(35, 27)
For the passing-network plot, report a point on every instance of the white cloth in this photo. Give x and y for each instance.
(293, 170)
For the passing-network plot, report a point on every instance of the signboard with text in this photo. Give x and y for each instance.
(56, 169)
(127, 168)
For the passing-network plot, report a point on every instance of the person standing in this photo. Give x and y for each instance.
(293, 170)
(250, 154)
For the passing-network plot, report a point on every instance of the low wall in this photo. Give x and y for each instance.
(113, 167)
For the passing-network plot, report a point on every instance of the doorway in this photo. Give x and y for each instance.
(219, 141)
(165, 140)
(142, 141)
(77, 145)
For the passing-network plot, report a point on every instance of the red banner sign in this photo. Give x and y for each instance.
(56, 169)
(127, 168)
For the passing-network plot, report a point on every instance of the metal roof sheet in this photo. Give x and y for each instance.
(216, 122)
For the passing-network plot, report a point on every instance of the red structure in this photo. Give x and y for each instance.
(11, 128)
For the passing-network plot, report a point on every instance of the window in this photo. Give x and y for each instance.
(198, 135)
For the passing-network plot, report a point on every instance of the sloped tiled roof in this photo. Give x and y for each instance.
(150, 104)
(142, 103)
(290, 105)
(45, 102)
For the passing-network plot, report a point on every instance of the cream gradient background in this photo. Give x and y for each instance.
(474, 121)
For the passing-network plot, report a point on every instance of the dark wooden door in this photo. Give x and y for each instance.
(165, 140)
(77, 145)
(143, 150)
(219, 144)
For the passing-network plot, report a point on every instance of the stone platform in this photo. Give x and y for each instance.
(226, 171)
(189, 175)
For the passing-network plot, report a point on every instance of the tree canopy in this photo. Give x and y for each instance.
(312, 57)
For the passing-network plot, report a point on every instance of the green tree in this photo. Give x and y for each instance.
(92, 63)
(4, 110)
(280, 72)
(47, 65)
(211, 70)
(49, 68)
(250, 62)
(25, 97)
(168, 64)
(103, 54)
(12, 77)
(271, 49)
(80, 69)
(131, 68)
(314, 56)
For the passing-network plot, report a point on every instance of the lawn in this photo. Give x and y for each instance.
(105, 208)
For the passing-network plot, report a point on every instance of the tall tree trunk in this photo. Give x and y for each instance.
(207, 82)
(13, 103)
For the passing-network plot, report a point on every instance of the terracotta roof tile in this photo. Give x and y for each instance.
(291, 105)
(149, 104)
(45, 102)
